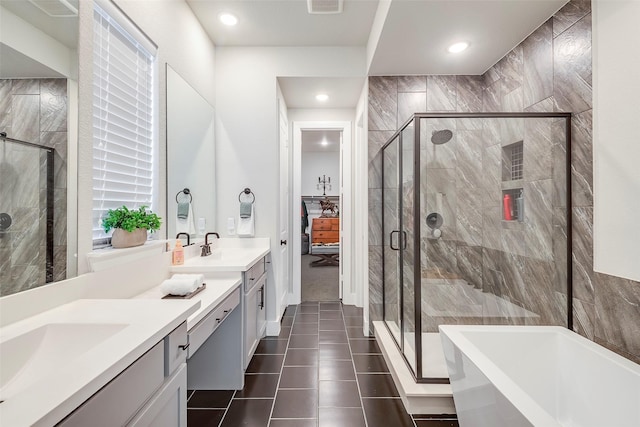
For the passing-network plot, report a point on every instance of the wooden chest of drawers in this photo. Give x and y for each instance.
(325, 230)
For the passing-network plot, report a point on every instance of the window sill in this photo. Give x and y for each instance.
(102, 259)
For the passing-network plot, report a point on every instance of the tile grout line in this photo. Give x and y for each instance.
(355, 373)
(286, 350)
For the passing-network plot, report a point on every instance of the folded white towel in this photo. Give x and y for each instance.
(199, 278)
(179, 286)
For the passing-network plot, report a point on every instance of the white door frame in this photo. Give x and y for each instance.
(348, 292)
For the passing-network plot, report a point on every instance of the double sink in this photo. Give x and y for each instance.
(60, 357)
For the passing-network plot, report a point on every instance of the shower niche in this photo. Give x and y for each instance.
(513, 182)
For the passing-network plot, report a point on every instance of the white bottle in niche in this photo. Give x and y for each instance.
(520, 207)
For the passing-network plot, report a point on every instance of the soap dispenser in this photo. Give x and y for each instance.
(177, 256)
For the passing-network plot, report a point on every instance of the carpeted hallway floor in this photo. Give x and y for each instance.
(318, 283)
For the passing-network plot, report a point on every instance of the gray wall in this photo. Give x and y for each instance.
(549, 71)
(33, 110)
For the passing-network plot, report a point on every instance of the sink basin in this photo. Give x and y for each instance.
(28, 357)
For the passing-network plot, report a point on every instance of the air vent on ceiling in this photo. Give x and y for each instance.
(324, 6)
(57, 8)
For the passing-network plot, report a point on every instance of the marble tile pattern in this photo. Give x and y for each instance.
(538, 65)
(33, 110)
(549, 71)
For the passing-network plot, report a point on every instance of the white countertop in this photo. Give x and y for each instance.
(217, 290)
(223, 259)
(47, 399)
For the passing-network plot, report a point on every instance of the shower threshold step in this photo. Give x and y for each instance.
(432, 399)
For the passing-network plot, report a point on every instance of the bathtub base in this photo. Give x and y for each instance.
(433, 399)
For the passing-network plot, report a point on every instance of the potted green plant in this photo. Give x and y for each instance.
(130, 227)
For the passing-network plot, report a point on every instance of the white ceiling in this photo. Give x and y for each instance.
(14, 64)
(285, 23)
(63, 29)
(413, 38)
(416, 34)
(300, 92)
(320, 140)
(413, 41)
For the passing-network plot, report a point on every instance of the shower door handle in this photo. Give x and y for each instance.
(391, 240)
(402, 238)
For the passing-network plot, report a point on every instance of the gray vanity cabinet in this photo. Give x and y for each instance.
(255, 313)
(152, 391)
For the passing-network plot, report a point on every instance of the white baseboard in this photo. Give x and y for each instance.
(273, 328)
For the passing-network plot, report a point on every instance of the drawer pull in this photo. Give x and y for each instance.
(183, 347)
(224, 316)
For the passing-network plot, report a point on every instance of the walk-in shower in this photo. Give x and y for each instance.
(26, 215)
(475, 223)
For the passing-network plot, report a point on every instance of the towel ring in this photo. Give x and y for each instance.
(248, 192)
(186, 192)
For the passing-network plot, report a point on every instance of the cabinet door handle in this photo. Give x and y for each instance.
(183, 347)
(262, 297)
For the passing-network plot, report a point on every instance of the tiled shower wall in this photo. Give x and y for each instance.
(33, 110)
(549, 71)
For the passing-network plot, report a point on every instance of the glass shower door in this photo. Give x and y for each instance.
(390, 230)
(398, 248)
(407, 248)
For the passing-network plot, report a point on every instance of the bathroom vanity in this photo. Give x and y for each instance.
(249, 258)
(214, 333)
(127, 356)
(97, 362)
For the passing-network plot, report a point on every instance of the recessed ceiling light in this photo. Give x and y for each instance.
(322, 97)
(324, 142)
(228, 19)
(458, 47)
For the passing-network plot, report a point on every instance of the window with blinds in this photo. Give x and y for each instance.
(123, 117)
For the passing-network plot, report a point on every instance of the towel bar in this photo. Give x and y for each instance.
(186, 192)
(247, 191)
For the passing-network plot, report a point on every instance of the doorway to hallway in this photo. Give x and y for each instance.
(320, 178)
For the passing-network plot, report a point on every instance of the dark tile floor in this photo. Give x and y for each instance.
(320, 372)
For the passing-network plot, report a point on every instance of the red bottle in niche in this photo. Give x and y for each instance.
(506, 202)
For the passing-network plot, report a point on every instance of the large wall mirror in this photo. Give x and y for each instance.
(190, 159)
(38, 114)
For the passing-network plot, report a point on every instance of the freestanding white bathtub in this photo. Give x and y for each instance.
(543, 376)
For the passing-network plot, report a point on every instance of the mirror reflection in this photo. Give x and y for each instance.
(38, 87)
(190, 159)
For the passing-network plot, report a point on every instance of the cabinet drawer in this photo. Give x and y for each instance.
(118, 401)
(321, 224)
(253, 274)
(175, 348)
(327, 236)
(201, 332)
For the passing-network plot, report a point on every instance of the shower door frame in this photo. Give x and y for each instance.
(417, 272)
(50, 195)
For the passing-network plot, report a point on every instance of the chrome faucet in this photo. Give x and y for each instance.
(206, 248)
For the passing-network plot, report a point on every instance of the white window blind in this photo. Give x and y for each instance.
(123, 120)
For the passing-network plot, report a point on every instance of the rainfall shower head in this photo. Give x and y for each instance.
(439, 137)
